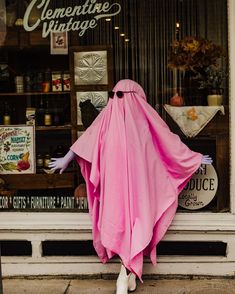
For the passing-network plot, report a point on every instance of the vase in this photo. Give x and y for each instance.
(214, 99)
(193, 95)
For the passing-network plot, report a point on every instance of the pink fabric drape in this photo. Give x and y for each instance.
(134, 168)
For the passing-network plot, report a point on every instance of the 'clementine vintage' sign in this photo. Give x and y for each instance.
(200, 190)
(64, 19)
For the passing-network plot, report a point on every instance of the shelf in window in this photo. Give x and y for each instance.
(39, 181)
(34, 93)
(53, 128)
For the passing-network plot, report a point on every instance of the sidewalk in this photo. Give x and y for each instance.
(89, 286)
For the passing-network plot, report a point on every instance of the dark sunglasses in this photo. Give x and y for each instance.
(118, 93)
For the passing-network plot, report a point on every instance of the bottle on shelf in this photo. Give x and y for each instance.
(56, 117)
(39, 81)
(6, 114)
(19, 84)
(40, 113)
(28, 80)
(40, 161)
(47, 115)
(46, 85)
(46, 160)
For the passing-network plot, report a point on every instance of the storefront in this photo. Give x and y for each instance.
(55, 54)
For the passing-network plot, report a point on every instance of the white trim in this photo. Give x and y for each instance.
(165, 266)
(80, 222)
(231, 48)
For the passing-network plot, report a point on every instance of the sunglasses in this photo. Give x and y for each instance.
(118, 93)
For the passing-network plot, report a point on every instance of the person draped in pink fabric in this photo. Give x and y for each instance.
(134, 168)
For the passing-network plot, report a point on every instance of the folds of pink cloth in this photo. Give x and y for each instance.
(134, 168)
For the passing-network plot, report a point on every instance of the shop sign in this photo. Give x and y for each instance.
(200, 190)
(64, 19)
(17, 150)
(43, 203)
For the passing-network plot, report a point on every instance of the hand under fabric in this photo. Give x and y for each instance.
(62, 163)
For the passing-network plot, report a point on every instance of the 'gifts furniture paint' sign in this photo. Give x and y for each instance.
(200, 190)
(17, 149)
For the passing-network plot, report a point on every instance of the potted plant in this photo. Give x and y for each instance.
(194, 56)
(212, 82)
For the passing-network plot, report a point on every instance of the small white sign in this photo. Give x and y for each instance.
(200, 190)
(59, 43)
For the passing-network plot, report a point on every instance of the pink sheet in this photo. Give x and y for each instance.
(134, 168)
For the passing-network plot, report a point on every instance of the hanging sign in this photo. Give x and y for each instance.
(17, 150)
(200, 190)
(65, 19)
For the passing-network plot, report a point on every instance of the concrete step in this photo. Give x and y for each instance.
(76, 286)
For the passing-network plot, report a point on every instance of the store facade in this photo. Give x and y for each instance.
(46, 215)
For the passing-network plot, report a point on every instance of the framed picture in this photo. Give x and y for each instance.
(91, 67)
(59, 43)
(98, 99)
(17, 149)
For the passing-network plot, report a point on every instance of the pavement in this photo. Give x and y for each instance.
(105, 286)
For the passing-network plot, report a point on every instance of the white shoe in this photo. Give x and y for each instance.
(132, 282)
(125, 282)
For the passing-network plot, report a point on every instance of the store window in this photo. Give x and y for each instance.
(176, 49)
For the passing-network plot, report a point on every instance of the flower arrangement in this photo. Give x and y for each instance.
(212, 80)
(194, 54)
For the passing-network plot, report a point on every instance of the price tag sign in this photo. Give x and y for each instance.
(200, 190)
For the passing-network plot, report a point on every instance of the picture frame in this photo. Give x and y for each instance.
(59, 43)
(17, 149)
(91, 66)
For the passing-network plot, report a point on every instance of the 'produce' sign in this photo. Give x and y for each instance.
(200, 190)
(17, 150)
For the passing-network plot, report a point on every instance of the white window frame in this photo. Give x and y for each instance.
(231, 46)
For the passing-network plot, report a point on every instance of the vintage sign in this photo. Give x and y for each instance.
(43, 203)
(200, 190)
(17, 149)
(65, 19)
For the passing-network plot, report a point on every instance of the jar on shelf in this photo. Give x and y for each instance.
(66, 81)
(19, 84)
(56, 81)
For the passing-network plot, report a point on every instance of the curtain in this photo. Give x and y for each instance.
(2, 22)
(151, 28)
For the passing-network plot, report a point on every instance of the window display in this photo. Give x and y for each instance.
(107, 42)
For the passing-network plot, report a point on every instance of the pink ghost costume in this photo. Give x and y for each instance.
(134, 168)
